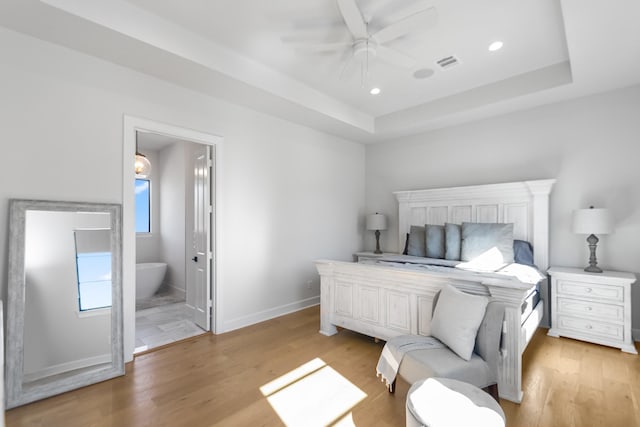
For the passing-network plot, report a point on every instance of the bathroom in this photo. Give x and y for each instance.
(167, 267)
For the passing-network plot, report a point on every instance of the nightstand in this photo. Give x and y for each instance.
(594, 307)
(368, 257)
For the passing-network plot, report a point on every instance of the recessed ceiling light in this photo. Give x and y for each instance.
(495, 46)
(375, 91)
(423, 73)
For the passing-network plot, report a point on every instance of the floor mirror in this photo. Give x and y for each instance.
(64, 308)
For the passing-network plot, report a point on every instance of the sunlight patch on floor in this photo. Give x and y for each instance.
(314, 394)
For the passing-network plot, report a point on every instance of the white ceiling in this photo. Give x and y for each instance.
(155, 142)
(251, 52)
(531, 29)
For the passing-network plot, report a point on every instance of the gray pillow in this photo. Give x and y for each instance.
(435, 241)
(489, 240)
(453, 240)
(523, 252)
(456, 319)
(416, 244)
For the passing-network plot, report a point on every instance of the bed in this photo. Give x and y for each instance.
(394, 295)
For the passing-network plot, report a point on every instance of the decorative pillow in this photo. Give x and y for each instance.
(416, 245)
(406, 244)
(523, 252)
(435, 241)
(487, 244)
(453, 239)
(456, 320)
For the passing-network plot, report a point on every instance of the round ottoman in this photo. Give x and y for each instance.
(438, 402)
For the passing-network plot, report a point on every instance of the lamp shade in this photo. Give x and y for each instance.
(376, 221)
(592, 221)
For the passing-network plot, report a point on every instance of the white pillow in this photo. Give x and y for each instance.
(456, 320)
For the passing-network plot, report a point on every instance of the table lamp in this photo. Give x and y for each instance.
(592, 221)
(377, 222)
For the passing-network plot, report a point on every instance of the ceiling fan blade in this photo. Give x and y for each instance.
(419, 20)
(353, 18)
(394, 57)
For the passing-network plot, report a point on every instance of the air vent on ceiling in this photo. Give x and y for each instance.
(448, 62)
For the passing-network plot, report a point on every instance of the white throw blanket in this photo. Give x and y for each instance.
(395, 349)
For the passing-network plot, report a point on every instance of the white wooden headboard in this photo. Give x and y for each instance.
(525, 204)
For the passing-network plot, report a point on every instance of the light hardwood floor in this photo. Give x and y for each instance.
(217, 380)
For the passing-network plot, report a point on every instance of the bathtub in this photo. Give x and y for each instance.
(149, 277)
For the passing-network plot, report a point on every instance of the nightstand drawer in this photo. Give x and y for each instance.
(590, 290)
(590, 327)
(608, 312)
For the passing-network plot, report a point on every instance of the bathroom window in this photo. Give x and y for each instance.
(143, 205)
(93, 266)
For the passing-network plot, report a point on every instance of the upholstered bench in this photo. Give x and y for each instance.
(439, 402)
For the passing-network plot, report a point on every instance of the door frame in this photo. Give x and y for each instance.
(131, 125)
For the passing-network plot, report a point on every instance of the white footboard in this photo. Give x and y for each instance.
(384, 302)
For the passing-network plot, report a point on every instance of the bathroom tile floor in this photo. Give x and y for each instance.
(163, 325)
(165, 295)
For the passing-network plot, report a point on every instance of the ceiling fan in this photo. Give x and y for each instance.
(366, 43)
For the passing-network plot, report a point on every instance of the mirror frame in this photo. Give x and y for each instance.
(18, 393)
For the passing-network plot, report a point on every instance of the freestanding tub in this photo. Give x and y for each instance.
(149, 277)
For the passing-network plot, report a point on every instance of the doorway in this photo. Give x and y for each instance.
(182, 196)
(173, 218)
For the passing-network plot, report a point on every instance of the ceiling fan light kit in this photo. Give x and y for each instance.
(363, 49)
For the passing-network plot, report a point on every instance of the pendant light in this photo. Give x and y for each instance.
(142, 164)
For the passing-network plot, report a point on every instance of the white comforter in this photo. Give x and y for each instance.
(523, 273)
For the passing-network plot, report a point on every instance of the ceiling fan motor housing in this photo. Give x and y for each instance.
(363, 49)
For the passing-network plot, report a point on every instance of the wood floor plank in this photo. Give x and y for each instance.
(216, 380)
(618, 404)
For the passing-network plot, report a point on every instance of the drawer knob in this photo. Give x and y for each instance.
(589, 308)
(589, 327)
(589, 290)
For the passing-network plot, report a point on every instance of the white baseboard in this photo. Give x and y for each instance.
(179, 290)
(67, 366)
(252, 319)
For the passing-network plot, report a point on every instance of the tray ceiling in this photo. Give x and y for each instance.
(265, 55)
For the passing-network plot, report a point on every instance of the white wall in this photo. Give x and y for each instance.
(292, 194)
(590, 145)
(171, 188)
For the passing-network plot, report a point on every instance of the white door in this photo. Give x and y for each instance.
(201, 255)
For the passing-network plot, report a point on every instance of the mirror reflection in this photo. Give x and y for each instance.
(67, 292)
(93, 266)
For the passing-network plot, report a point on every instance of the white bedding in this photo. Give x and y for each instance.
(523, 273)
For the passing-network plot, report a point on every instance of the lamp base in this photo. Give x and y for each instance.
(377, 251)
(593, 261)
(593, 269)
